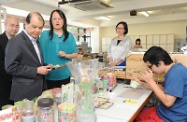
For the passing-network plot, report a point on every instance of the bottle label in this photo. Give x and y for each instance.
(110, 83)
(28, 118)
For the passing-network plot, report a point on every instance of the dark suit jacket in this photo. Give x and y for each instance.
(5, 79)
(21, 61)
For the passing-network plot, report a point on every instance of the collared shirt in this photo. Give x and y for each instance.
(34, 42)
(7, 36)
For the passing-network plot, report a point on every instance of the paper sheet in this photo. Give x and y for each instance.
(130, 93)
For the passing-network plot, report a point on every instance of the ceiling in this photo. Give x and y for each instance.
(159, 11)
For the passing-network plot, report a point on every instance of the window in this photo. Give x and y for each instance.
(80, 35)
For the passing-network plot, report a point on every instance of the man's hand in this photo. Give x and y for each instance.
(140, 83)
(148, 77)
(43, 70)
(50, 66)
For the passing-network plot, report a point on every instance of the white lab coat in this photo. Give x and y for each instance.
(121, 50)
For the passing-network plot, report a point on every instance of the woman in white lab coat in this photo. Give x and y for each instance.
(119, 46)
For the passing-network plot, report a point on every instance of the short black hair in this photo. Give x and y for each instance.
(124, 25)
(29, 16)
(138, 39)
(155, 54)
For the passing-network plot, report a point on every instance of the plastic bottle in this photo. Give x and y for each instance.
(28, 112)
(45, 110)
(110, 79)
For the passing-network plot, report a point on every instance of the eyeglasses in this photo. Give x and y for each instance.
(150, 67)
(14, 26)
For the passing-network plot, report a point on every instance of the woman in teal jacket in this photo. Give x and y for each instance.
(58, 47)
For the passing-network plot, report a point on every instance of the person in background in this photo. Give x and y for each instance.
(119, 46)
(58, 47)
(172, 93)
(137, 44)
(11, 29)
(23, 60)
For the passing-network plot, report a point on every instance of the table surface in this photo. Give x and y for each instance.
(122, 111)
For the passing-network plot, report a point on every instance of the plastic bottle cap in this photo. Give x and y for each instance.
(45, 102)
(110, 74)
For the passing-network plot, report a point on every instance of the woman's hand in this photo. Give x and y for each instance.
(62, 54)
(112, 63)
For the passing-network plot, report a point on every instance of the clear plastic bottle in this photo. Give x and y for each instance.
(28, 112)
(100, 88)
(110, 79)
(45, 110)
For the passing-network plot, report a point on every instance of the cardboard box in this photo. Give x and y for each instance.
(135, 65)
(179, 58)
(118, 74)
(86, 58)
(132, 72)
(135, 60)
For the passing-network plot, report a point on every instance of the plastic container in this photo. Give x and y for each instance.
(134, 84)
(45, 110)
(110, 79)
(100, 88)
(66, 112)
(28, 112)
(6, 106)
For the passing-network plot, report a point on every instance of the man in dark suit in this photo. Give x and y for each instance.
(11, 29)
(24, 61)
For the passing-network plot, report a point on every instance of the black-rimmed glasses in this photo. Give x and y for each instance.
(150, 67)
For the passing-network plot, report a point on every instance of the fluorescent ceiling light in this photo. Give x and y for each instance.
(102, 18)
(144, 13)
(21, 13)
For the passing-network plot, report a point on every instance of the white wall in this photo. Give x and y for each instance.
(178, 28)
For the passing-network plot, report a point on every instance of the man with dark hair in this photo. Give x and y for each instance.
(23, 60)
(172, 94)
(11, 29)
